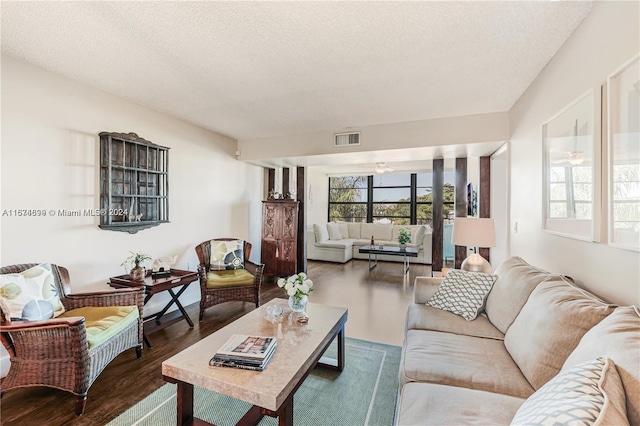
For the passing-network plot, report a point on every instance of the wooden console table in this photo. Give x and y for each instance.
(159, 320)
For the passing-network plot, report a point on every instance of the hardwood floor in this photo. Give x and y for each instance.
(377, 303)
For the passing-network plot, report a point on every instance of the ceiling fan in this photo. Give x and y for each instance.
(382, 167)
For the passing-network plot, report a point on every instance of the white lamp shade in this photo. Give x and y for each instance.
(473, 232)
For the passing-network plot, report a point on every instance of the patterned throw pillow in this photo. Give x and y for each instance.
(31, 294)
(589, 393)
(227, 255)
(463, 293)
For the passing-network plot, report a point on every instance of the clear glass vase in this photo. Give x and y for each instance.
(298, 304)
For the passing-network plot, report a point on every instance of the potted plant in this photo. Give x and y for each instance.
(134, 265)
(404, 237)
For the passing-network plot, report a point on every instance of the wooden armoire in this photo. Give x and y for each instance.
(279, 237)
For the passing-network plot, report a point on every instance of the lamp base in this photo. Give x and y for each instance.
(476, 263)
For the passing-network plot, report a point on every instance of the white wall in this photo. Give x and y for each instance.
(468, 129)
(50, 155)
(500, 204)
(318, 203)
(606, 39)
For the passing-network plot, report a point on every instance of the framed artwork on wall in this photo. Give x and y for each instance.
(623, 149)
(572, 169)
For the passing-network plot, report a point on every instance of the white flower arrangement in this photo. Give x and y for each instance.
(297, 285)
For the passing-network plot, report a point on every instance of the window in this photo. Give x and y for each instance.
(392, 199)
(401, 199)
(348, 197)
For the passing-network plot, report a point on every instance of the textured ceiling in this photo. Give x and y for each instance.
(259, 69)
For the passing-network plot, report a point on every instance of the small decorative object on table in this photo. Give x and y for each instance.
(404, 237)
(298, 288)
(162, 266)
(134, 265)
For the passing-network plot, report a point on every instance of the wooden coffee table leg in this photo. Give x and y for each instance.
(185, 403)
(285, 415)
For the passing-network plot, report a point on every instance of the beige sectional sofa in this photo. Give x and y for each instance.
(341, 241)
(535, 332)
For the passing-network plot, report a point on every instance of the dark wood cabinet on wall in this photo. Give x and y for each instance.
(279, 237)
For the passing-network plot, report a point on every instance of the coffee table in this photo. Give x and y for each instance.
(391, 251)
(300, 348)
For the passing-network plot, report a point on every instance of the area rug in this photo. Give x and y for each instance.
(363, 394)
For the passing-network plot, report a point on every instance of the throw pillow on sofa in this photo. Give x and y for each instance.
(587, 394)
(463, 293)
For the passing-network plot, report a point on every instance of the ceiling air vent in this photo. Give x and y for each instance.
(346, 139)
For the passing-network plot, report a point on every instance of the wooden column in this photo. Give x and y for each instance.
(271, 180)
(461, 204)
(301, 196)
(485, 197)
(438, 219)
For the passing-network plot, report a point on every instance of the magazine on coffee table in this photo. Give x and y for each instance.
(244, 351)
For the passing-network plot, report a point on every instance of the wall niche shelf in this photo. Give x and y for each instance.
(134, 183)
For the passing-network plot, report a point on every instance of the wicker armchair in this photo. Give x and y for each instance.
(213, 295)
(56, 352)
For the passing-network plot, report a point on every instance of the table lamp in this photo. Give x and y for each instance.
(474, 232)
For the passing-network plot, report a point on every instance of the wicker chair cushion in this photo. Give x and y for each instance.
(229, 278)
(29, 286)
(104, 322)
(227, 254)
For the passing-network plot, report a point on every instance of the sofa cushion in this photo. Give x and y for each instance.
(465, 361)
(586, 394)
(423, 317)
(516, 280)
(618, 338)
(344, 229)
(354, 229)
(104, 322)
(339, 244)
(463, 293)
(320, 231)
(549, 327)
(378, 230)
(334, 231)
(229, 278)
(427, 403)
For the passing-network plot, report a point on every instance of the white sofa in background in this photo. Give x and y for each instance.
(341, 241)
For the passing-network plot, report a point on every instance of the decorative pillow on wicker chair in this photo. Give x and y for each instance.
(31, 294)
(463, 293)
(227, 255)
(590, 393)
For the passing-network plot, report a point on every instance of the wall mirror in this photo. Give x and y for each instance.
(623, 118)
(572, 170)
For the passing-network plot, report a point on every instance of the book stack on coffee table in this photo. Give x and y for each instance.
(246, 352)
